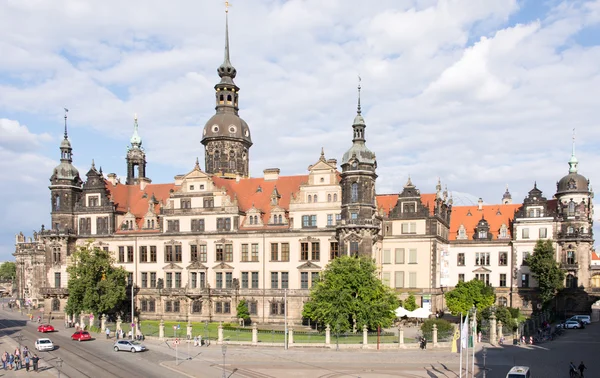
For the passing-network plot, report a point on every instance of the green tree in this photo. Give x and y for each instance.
(95, 284)
(410, 303)
(242, 311)
(546, 270)
(444, 328)
(468, 294)
(349, 293)
(8, 270)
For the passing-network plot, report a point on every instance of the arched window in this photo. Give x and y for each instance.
(251, 219)
(354, 192)
(309, 198)
(335, 197)
(148, 224)
(502, 301)
(55, 304)
(274, 218)
(229, 98)
(221, 99)
(571, 208)
(57, 203)
(256, 219)
(503, 232)
(216, 160)
(280, 219)
(329, 198)
(571, 281)
(196, 307)
(152, 223)
(315, 198)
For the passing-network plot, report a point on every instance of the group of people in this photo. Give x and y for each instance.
(573, 369)
(199, 342)
(119, 334)
(423, 343)
(20, 360)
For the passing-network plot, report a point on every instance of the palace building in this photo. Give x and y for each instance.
(198, 245)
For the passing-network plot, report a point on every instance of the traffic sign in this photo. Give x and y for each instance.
(132, 325)
(174, 327)
(178, 326)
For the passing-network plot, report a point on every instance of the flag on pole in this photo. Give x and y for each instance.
(464, 333)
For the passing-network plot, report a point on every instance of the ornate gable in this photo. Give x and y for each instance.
(196, 265)
(409, 204)
(172, 266)
(223, 266)
(309, 265)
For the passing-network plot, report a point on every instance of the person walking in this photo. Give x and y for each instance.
(572, 370)
(27, 361)
(4, 360)
(107, 333)
(581, 368)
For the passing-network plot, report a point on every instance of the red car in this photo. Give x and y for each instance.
(81, 336)
(45, 328)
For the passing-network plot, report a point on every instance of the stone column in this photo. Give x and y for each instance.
(161, 329)
(500, 334)
(254, 334)
(327, 336)
(401, 337)
(365, 336)
(493, 337)
(119, 321)
(137, 326)
(220, 333)
(103, 323)
(290, 336)
(434, 333)
(81, 320)
(189, 330)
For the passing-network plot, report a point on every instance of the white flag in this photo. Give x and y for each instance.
(464, 332)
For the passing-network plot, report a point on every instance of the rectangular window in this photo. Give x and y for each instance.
(168, 253)
(175, 306)
(226, 307)
(525, 233)
(387, 258)
(525, 257)
(186, 203)
(304, 251)
(151, 305)
(285, 280)
(285, 251)
(329, 220)
(194, 279)
(152, 253)
(178, 254)
(315, 252)
(202, 279)
(144, 305)
(461, 277)
(543, 233)
(244, 252)
(274, 280)
(412, 279)
(482, 258)
(144, 279)
(524, 280)
(303, 280)
(386, 279)
(228, 280)
(228, 252)
(399, 279)
(253, 307)
(502, 280)
(254, 255)
(168, 306)
(177, 280)
(219, 254)
(503, 259)
(412, 256)
(173, 226)
(254, 280)
(129, 278)
(314, 278)
(219, 280)
(209, 202)
(121, 254)
(152, 279)
(193, 252)
(333, 250)
(309, 221)
(202, 255)
(399, 252)
(197, 225)
(460, 259)
(219, 307)
(169, 280)
(129, 253)
(57, 279)
(353, 248)
(485, 277)
(274, 308)
(274, 251)
(143, 254)
(223, 224)
(409, 228)
(244, 280)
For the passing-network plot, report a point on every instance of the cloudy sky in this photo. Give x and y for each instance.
(479, 93)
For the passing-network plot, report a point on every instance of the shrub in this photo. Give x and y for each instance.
(444, 328)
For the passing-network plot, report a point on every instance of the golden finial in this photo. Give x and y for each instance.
(227, 5)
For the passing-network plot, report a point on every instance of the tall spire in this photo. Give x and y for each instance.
(226, 70)
(573, 161)
(136, 140)
(358, 110)
(66, 134)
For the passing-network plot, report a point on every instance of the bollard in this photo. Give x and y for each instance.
(220, 333)
(161, 329)
(365, 336)
(290, 336)
(435, 336)
(254, 334)
(327, 336)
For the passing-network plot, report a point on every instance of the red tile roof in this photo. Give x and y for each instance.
(495, 215)
(595, 256)
(386, 202)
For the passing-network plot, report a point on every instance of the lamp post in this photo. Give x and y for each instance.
(224, 349)
(19, 337)
(59, 363)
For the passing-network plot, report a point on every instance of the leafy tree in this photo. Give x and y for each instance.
(410, 303)
(242, 311)
(468, 294)
(349, 294)
(8, 270)
(546, 270)
(444, 328)
(95, 284)
(503, 314)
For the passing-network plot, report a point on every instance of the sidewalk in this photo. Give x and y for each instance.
(45, 370)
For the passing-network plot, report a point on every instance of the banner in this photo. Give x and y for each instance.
(464, 333)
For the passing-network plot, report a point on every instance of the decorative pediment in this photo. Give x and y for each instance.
(172, 266)
(196, 265)
(223, 241)
(482, 269)
(309, 239)
(172, 242)
(309, 265)
(223, 266)
(197, 242)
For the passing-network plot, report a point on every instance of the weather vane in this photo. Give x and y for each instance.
(227, 5)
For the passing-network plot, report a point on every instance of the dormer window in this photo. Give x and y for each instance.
(503, 232)
(201, 187)
(482, 234)
(462, 233)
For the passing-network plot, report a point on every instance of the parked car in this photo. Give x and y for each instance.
(585, 319)
(45, 328)
(570, 324)
(44, 344)
(519, 372)
(128, 345)
(81, 336)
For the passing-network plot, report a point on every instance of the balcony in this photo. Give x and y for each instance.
(567, 266)
(574, 235)
(54, 291)
(360, 222)
(594, 267)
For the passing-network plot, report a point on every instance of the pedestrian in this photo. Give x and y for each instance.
(25, 351)
(35, 359)
(572, 370)
(17, 362)
(11, 361)
(581, 368)
(27, 360)
(479, 337)
(107, 333)
(4, 360)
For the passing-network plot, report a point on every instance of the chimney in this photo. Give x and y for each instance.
(271, 174)
(112, 178)
(480, 204)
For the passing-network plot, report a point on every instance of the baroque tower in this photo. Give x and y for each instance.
(136, 157)
(226, 137)
(359, 226)
(65, 187)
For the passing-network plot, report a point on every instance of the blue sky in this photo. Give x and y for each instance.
(479, 94)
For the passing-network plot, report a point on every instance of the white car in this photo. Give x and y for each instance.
(585, 319)
(44, 344)
(570, 324)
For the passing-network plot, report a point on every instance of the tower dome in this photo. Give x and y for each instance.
(573, 182)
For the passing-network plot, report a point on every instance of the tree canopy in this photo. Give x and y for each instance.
(242, 311)
(348, 294)
(468, 294)
(95, 284)
(8, 270)
(410, 303)
(546, 270)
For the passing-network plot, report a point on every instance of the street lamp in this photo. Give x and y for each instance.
(59, 363)
(224, 349)
(19, 337)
